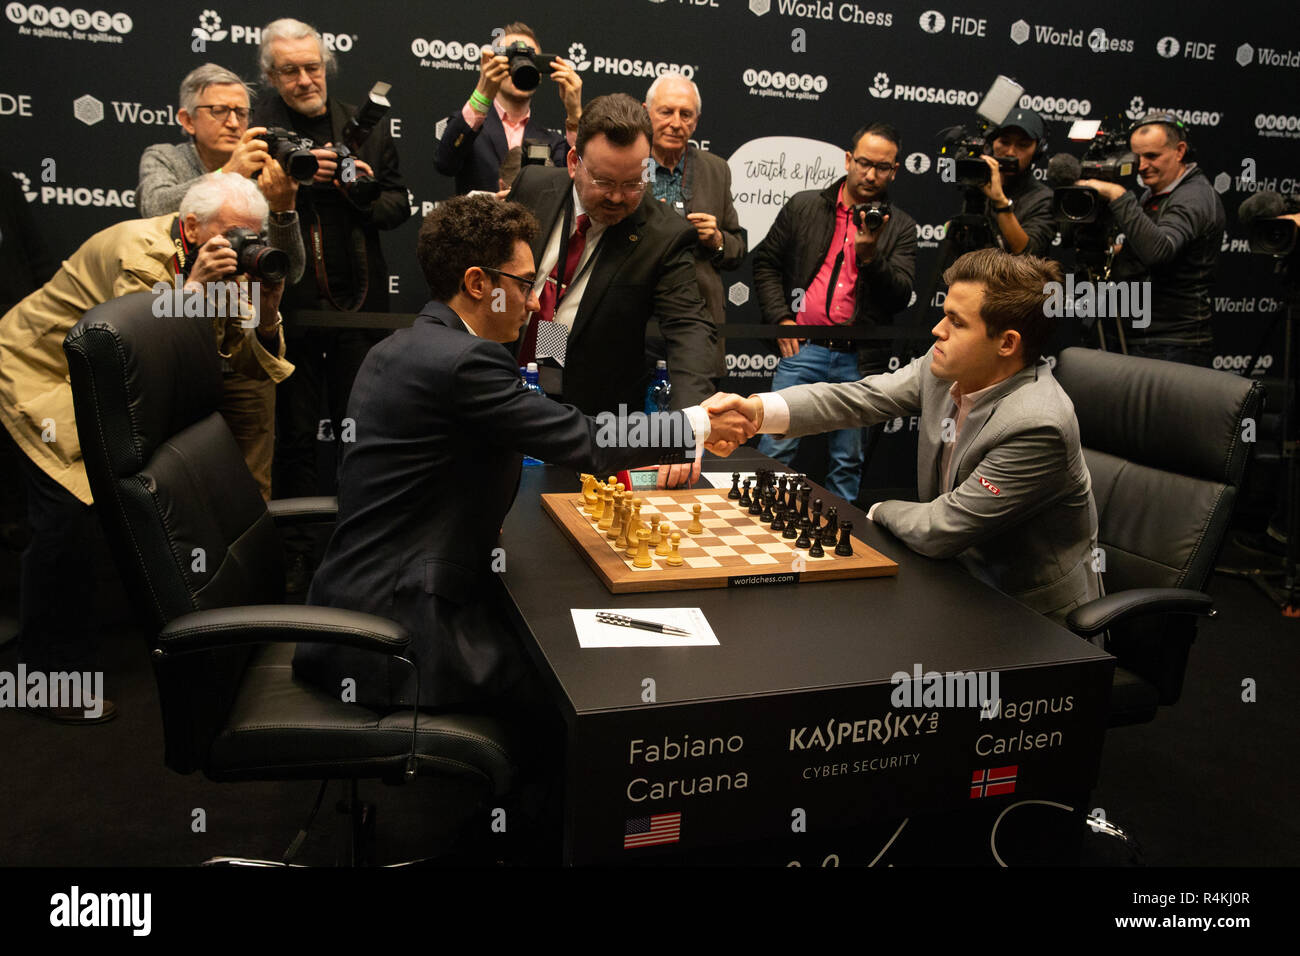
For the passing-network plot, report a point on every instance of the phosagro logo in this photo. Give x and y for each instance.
(1059, 108)
(76, 195)
(881, 89)
(1277, 124)
(25, 185)
(794, 86)
(61, 23)
(1137, 109)
(626, 66)
(212, 29)
(1095, 40)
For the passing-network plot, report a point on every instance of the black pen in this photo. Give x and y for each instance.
(608, 617)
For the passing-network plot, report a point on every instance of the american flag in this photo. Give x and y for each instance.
(648, 831)
(993, 783)
(552, 341)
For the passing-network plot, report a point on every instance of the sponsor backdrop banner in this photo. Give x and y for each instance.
(784, 83)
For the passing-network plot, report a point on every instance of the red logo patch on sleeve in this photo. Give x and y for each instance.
(989, 485)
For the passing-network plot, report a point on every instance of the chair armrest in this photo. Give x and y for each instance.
(294, 511)
(1107, 611)
(282, 624)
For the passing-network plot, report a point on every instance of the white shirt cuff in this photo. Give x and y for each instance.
(871, 512)
(776, 413)
(699, 420)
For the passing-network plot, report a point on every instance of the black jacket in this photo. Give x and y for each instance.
(474, 157)
(389, 211)
(790, 255)
(1178, 250)
(1032, 204)
(443, 421)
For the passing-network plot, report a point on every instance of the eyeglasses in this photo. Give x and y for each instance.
(884, 169)
(525, 284)
(609, 186)
(222, 113)
(291, 72)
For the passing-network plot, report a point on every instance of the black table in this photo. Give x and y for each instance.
(788, 728)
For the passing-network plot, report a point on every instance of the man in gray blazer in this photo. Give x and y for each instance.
(697, 185)
(1001, 479)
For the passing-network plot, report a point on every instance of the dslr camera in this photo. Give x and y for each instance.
(526, 66)
(292, 152)
(870, 215)
(360, 188)
(256, 259)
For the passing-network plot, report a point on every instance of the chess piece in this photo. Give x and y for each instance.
(845, 548)
(817, 516)
(791, 528)
(620, 517)
(756, 503)
(804, 492)
(633, 526)
(675, 560)
(662, 546)
(657, 530)
(745, 501)
(766, 513)
(778, 522)
(642, 559)
(620, 543)
(734, 493)
(695, 527)
(607, 508)
(597, 509)
(805, 539)
(781, 490)
(588, 492)
(831, 528)
(816, 551)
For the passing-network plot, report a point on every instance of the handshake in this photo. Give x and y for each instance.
(732, 421)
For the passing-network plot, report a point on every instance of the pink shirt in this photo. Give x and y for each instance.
(514, 131)
(964, 404)
(843, 251)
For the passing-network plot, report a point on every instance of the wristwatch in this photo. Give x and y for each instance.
(1006, 208)
(284, 218)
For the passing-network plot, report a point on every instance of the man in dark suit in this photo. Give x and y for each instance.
(346, 270)
(626, 260)
(498, 116)
(442, 423)
(697, 185)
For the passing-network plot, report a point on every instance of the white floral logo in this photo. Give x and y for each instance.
(880, 86)
(26, 185)
(209, 27)
(1136, 108)
(578, 56)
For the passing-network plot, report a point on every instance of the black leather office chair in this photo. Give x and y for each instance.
(202, 562)
(1164, 443)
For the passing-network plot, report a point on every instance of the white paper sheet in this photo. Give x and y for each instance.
(592, 633)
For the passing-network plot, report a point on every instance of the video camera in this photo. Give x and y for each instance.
(1270, 235)
(1107, 158)
(965, 147)
(526, 66)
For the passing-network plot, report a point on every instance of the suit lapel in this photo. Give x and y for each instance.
(496, 133)
(616, 244)
(980, 417)
(549, 209)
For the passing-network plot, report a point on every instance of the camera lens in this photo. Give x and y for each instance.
(1077, 205)
(523, 72)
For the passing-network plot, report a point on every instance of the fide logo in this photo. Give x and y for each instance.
(918, 163)
(1167, 47)
(932, 21)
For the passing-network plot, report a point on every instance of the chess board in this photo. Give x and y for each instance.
(735, 548)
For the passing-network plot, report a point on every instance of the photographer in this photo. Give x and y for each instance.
(824, 262)
(347, 271)
(220, 141)
(498, 115)
(1019, 207)
(1173, 232)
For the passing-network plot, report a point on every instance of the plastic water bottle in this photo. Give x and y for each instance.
(530, 379)
(659, 391)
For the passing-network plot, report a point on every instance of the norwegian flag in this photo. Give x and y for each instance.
(993, 783)
(648, 831)
(552, 341)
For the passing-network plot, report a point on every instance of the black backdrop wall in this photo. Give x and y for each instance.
(784, 82)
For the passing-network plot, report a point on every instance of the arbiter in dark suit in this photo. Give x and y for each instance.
(626, 259)
(442, 424)
(498, 116)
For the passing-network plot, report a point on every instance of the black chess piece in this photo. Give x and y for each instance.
(791, 528)
(756, 503)
(734, 493)
(744, 496)
(816, 551)
(805, 539)
(766, 513)
(778, 521)
(817, 514)
(845, 548)
(780, 489)
(831, 527)
(803, 503)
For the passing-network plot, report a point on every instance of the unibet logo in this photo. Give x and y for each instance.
(917, 163)
(1058, 105)
(776, 80)
(88, 109)
(450, 51)
(738, 294)
(1276, 121)
(54, 21)
(755, 363)
(932, 21)
(1167, 47)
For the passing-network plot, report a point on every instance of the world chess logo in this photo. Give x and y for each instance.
(88, 109)
(1136, 108)
(1244, 54)
(932, 21)
(918, 163)
(1167, 47)
(1019, 32)
(25, 184)
(1222, 183)
(880, 86)
(209, 27)
(578, 57)
(759, 7)
(1097, 40)
(738, 294)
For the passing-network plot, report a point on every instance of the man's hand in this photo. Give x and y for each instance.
(788, 347)
(674, 476)
(280, 190)
(733, 420)
(993, 188)
(215, 261)
(865, 242)
(329, 162)
(249, 156)
(493, 69)
(570, 85)
(268, 318)
(1108, 191)
(706, 226)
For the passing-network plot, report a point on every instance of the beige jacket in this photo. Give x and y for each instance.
(35, 391)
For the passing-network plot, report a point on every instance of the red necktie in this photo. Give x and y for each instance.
(555, 287)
